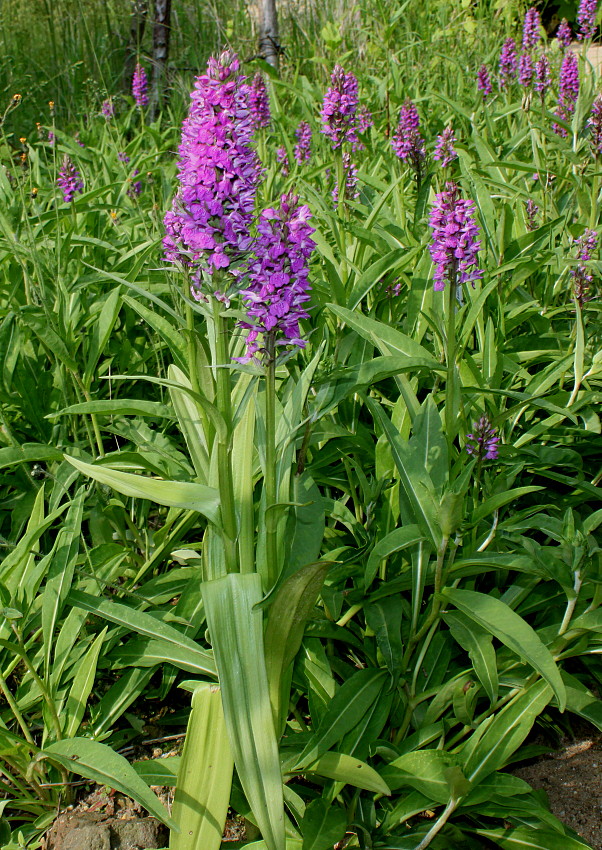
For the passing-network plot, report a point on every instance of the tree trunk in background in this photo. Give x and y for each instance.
(161, 32)
(269, 44)
(137, 26)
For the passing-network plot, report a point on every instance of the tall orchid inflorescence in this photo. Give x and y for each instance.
(364, 119)
(595, 125)
(508, 62)
(208, 227)
(108, 109)
(444, 147)
(531, 29)
(586, 244)
(69, 180)
(586, 18)
(407, 140)
(482, 443)
(302, 151)
(455, 240)
(339, 109)
(568, 91)
(282, 160)
(140, 86)
(484, 82)
(278, 284)
(525, 69)
(543, 76)
(564, 34)
(259, 103)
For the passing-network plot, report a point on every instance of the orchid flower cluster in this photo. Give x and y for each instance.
(568, 91)
(445, 152)
(69, 180)
(586, 244)
(340, 109)
(209, 228)
(140, 86)
(455, 243)
(482, 443)
(407, 140)
(595, 125)
(586, 18)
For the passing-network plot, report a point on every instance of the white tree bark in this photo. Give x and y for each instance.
(269, 43)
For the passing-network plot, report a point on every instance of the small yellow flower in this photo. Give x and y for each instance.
(34, 192)
(23, 158)
(113, 214)
(16, 98)
(51, 105)
(22, 140)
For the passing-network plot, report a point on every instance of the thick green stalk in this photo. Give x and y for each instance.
(271, 518)
(224, 405)
(450, 353)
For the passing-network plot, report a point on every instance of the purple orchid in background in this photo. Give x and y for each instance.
(350, 172)
(108, 109)
(525, 69)
(595, 125)
(140, 86)
(302, 151)
(586, 18)
(123, 157)
(531, 210)
(407, 140)
(564, 33)
(259, 103)
(531, 29)
(444, 147)
(543, 76)
(135, 187)
(568, 91)
(69, 180)
(282, 160)
(483, 82)
(455, 243)
(508, 62)
(586, 244)
(482, 443)
(208, 227)
(364, 119)
(277, 275)
(339, 109)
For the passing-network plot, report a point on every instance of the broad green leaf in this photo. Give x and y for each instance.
(383, 616)
(148, 652)
(505, 624)
(349, 770)
(236, 631)
(424, 770)
(164, 328)
(406, 807)
(118, 407)
(175, 494)
(350, 703)
(101, 331)
(205, 776)
(103, 765)
(83, 682)
(28, 453)
(161, 771)
(322, 826)
(190, 424)
(497, 739)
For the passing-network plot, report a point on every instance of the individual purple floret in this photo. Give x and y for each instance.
(586, 244)
(444, 147)
(455, 243)
(595, 125)
(140, 86)
(508, 62)
(135, 187)
(407, 141)
(568, 91)
(302, 151)
(525, 69)
(208, 227)
(586, 17)
(69, 180)
(108, 109)
(350, 172)
(531, 29)
(339, 110)
(282, 160)
(531, 210)
(123, 157)
(564, 33)
(482, 444)
(51, 138)
(364, 119)
(483, 82)
(278, 278)
(543, 76)
(259, 103)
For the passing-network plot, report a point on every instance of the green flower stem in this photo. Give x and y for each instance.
(450, 353)
(593, 214)
(340, 175)
(93, 417)
(15, 710)
(224, 404)
(271, 517)
(440, 822)
(570, 608)
(58, 729)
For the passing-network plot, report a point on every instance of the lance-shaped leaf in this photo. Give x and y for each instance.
(204, 777)
(506, 625)
(236, 630)
(101, 764)
(174, 494)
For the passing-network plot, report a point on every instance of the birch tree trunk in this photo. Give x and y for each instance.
(137, 27)
(161, 33)
(269, 44)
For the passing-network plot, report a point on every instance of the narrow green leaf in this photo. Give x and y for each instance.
(477, 641)
(395, 541)
(506, 625)
(117, 407)
(529, 838)
(83, 681)
(161, 771)
(351, 771)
